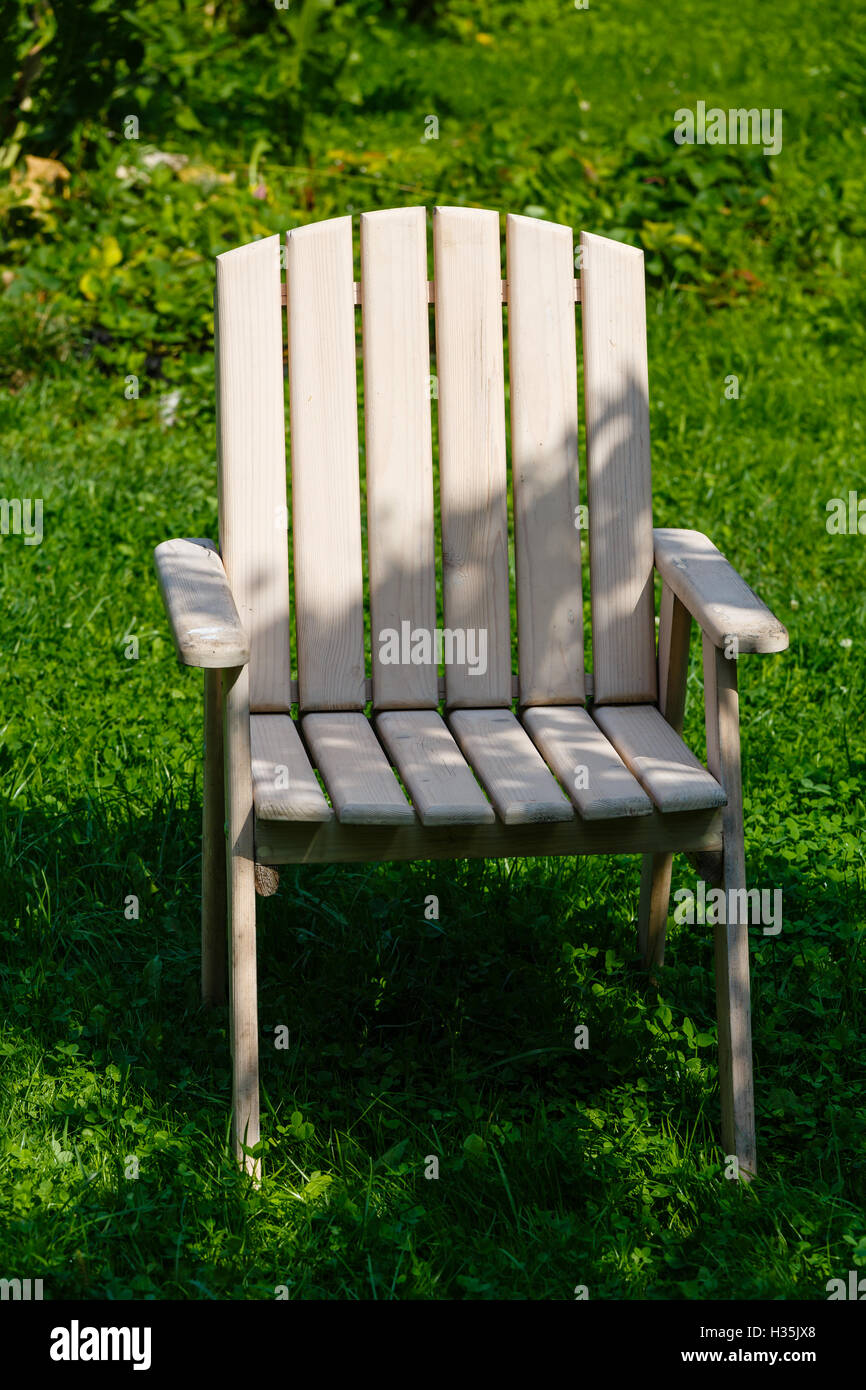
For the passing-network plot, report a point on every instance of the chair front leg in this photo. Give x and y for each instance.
(731, 936)
(673, 668)
(213, 848)
(243, 1003)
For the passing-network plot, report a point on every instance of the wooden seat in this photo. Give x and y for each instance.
(669, 773)
(517, 766)
(343, 730)
(434, 771)
(587, 765)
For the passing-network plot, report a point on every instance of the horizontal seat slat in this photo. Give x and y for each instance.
(589, 768)
(509, 767)
(284, 783)
(440, 782)
(661, 762)
(358, 776)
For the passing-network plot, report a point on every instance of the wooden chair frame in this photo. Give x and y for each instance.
(206, 590)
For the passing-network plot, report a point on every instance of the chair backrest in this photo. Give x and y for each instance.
(473, 308)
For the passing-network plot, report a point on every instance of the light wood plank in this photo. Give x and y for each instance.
(720, 601)
(400, 534)
(509, 767)
(326, 502)
(307, 843)
(359, 779)
(440, 783)
(731, 937)
(472, 474)
(251, 450)
(243, 989)
(204, 620)
(544, 466)
(661, 762)
(590, 770)
(284, 783)
(619, 489)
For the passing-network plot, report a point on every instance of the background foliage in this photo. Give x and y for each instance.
(411, 1037)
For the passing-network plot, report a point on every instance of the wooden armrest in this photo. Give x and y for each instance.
(204, 620)
(710, 589)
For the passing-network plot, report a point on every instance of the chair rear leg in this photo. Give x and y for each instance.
(655, 891)
(731, 938)
(213, 848)
(243, 997)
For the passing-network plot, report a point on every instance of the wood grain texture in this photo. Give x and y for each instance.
(675, 628)
(673, 668)
(661, 762)
(251, 449)
(243, 989)
(358, 776)
(431, 766)
(509, 767)
(731, 937)
(653, 905)
(284, 783)
(544, 466)
(214, 920)
(472, 476)
(326, 500)
(400, 524)
(202, 615)
(300, 843)
(591, 771)
(440, 684)
(720, 601)
(431, 298)
(619, 487)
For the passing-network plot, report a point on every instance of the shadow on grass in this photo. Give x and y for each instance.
(385, 1037)
(357, 986)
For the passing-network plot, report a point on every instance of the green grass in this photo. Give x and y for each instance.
(408, 1037)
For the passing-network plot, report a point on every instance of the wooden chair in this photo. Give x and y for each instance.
(587, 764)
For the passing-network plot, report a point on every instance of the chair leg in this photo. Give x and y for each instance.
(731, 937)
(242, 920)
(675, 626)
(213, 848)
(655, 890)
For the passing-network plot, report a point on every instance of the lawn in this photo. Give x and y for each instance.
(407, 1037)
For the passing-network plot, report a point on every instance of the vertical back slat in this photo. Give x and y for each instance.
(326, 503)
(400, 526)
(544, 466)
(252, 460)
(468, 294)
(619, 486)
